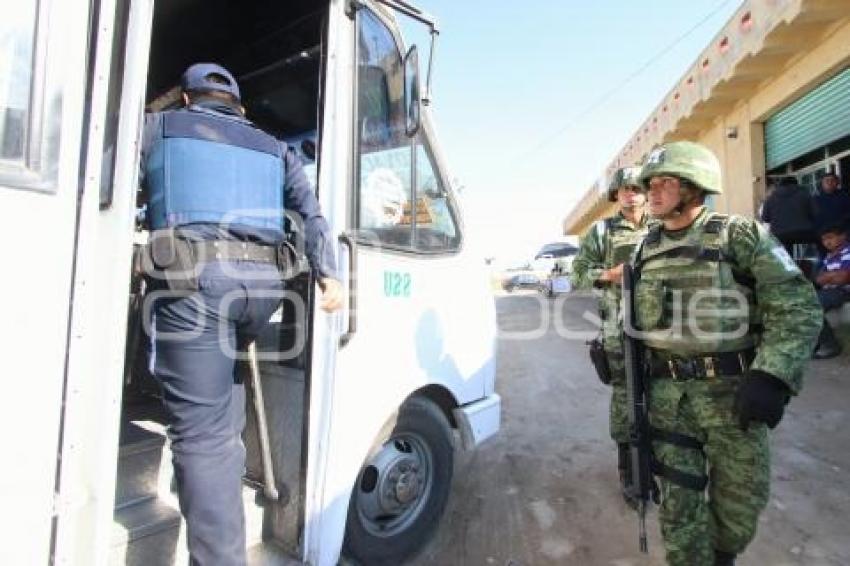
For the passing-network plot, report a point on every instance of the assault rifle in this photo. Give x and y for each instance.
(640, 482)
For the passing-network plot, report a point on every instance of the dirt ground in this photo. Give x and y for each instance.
(545, 492)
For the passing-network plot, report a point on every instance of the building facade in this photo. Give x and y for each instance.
(770, 96)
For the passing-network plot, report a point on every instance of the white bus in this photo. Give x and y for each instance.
(363, 407)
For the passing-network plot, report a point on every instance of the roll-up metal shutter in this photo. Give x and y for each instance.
(816, 119)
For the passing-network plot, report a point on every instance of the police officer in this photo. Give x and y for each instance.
(599, 264)
(217, 187)
(728, 321)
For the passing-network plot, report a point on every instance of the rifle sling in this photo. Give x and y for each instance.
(674, 438)
(682, 479)
(696, 253)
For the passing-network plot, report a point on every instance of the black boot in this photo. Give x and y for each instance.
(828, 346)
(723, 558)
(624, 468)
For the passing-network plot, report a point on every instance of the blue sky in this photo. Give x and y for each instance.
(513, 82)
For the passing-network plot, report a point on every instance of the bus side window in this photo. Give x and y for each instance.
(30, 104)
(436, 228)
(17, 39)
(384, 185)
(113, 106)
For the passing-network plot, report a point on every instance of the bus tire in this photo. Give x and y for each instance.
(402, 489)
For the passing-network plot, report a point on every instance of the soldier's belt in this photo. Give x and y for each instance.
(724, 364)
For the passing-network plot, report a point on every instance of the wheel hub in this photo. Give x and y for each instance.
(399, 486)
(407, 488)
(399, 477)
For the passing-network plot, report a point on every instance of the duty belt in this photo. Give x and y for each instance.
(173, 260)
(722, 364)
(228, 250)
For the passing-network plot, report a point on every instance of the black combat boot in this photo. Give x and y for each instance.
(722, 558)
(624, 468)
(828, 346)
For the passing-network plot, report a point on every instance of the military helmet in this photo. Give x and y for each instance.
(687, 160)
(624, 177)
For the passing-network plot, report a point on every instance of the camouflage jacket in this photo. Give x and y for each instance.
(786, 307)
(607, 244)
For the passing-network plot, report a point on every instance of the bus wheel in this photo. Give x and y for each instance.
(402, 489)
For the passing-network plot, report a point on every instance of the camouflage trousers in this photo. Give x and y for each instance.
(737, 464)
(618, 415)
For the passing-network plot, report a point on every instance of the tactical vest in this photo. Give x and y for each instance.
(210, 169)
(619, 242)
(689, 298)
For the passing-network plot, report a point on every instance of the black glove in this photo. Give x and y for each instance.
(761, 397)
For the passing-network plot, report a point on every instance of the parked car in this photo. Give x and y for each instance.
(522, 281)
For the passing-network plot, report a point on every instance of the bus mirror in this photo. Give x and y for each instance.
(412, 97)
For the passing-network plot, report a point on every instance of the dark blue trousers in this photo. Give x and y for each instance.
(833, 297)
(194, 342)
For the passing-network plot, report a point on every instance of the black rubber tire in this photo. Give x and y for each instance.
(423, 417)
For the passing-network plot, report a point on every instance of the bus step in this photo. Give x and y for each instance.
(145, 533)
(151, 532)
(144, 467)
(142, 520)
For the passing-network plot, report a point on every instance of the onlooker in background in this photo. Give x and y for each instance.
(832, 204)
(834, 285)
(790, 212)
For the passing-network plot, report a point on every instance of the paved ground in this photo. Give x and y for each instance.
(544, 491)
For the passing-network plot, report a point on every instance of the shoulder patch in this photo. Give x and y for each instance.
(782, 255)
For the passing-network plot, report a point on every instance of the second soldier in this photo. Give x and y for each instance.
(599, 264)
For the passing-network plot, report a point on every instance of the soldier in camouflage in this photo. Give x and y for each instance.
(599, 264)
(728, 322)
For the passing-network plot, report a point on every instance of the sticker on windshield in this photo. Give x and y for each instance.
(397, 284)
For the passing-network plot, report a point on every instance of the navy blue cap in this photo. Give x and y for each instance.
(197, 76)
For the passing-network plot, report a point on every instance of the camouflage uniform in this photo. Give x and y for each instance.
(609, 243)
(689, 327)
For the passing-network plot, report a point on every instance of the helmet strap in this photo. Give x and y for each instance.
(685, 198)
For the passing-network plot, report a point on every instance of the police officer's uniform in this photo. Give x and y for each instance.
(216, 187)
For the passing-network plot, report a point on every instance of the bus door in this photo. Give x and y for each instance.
(45, 113)
(86, 483)
(409, 297)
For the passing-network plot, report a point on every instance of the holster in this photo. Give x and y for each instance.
(170, 258)
(289, 262)
(599, 360)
